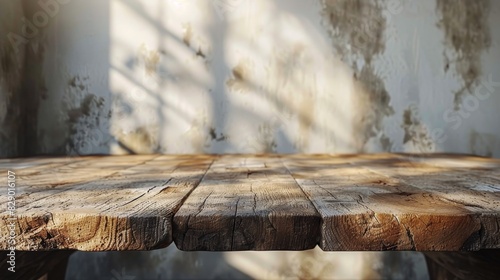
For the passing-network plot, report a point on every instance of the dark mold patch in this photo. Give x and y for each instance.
(483, 144)
(357, 31)
(142, 140)
(200, 53)
(358, 27)
(386, 143)
(150, 59)
(415, 131)
(214, 136)
(467, 32)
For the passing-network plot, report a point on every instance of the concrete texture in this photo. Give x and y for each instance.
(270, 76)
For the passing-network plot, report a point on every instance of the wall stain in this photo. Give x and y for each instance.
(415, 132)
(188, 35)
(265, 139)
(467, 32)
(11, 72)
(142, 140)
(150, 58)
(357, 29)
(214, 136)
(83, 113)
(372, 105)
(200, 53)
(240, 75)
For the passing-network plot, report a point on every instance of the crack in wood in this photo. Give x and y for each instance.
(410, 237)
(234, 223)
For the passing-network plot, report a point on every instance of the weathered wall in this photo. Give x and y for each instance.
(11, 68)
(271, 76)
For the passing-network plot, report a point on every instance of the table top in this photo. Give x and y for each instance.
(436, 202)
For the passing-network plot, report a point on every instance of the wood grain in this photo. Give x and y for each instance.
(383, 202)
(116, 203)
(247, 203)
(436, 202)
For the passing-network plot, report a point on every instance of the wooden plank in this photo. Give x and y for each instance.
(28, 166)
(364, 202)
(465, 181)
(130, 209)
(75, 170)
(366, 210)
(247, 203)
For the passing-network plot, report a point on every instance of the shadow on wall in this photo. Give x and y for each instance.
(119, 77)
(294, 108)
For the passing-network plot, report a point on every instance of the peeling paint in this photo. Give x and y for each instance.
(214, 136)
(358, 27)
(188, 35)
(416, 133)
(357, 31)
(467, 32)
(82, 112)
(239, 82)
(196, 134)
(386, 143)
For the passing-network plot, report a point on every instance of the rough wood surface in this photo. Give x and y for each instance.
(433, 202)
(247, 203)
(392, 202)
(111, 203)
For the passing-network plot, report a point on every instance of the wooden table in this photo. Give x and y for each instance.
(437, 202)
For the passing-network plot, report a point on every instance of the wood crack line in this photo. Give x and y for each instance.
(254, 198)
(192, 189)
(234, 223)
(300, 187)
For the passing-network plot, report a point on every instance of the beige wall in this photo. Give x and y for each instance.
(271, 76)
(238, 76)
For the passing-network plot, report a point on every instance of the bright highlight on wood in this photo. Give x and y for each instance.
(436, 202)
